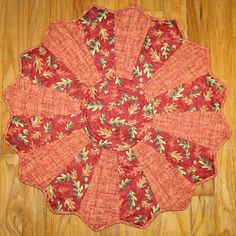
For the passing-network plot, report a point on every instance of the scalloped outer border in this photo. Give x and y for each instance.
(193, 186)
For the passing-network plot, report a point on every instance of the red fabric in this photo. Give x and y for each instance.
(116, 117)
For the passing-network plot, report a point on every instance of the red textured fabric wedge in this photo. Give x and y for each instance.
(116, 117)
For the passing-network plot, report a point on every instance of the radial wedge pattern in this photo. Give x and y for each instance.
(116, 117)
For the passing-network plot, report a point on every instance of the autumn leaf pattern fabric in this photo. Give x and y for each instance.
(116, 117)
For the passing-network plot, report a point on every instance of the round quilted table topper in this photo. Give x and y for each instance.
(116, 117)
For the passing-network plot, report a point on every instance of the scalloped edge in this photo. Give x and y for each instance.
(193, 186)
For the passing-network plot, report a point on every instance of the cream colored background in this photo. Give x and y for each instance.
(213, 208)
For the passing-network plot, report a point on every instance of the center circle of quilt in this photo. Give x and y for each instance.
(116, 117)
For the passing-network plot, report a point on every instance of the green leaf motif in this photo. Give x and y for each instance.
(165, 49)
(51, 192)
(117, 122)
(132, 98)
(132, 132)
(62, 178)
(23, 139)
(149, 109)
(111, 40)
(118, 82)
(181, 170)
(94, 106)
(94, 46)
(191, 109)
(103, 85)
(48, 127)
(125, 98)
(132, 110)
(36, 80)
(124, 183)
(101, 15)
(196, 178)
(148, 69)
(177, 93)
(138, 219)
(160, 143)
(87, 131)
(49, 61)
(26, 56)
(195, 93)
(69, 126)
(123, 146)
(83, 155)
(130, 155)
(170, 23)
(18, 122)
(181, 39)
(205, 163)
(85, 20)
(132, 199)
(104, 143)
(216, 106)
(137, 71)
(103, 62)
(63, 83)
(155, 210)
(103, 119)
(78, 188)
(148, 193)
(147, 42)
(58, 207)
(185, 145)
(212, 82)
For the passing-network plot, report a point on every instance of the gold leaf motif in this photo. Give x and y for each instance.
(36, 135)
(132, 110)
(146, 204)
(155, 55)
(204, 108)
(208, 95)
(47, 74)
(73, 174)
(187, 100)
(122, 147)
(69, 203)
(103, 34)
(147, 136)
(42, 51)
(169, 107)
(104, 132)
(141, 182)
(87, 170)
(157, 33)
(110, 73)
(177, 156)
(92, 92)
(36, 121)
(38, 64)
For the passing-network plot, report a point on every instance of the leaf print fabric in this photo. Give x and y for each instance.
(116, 117)
(98, 27)
(41, 67)
(26, 133)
